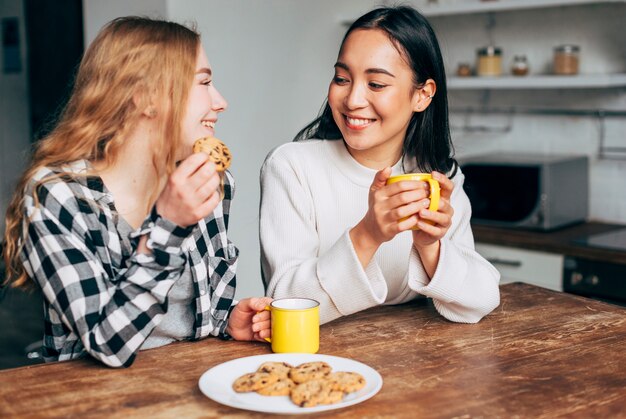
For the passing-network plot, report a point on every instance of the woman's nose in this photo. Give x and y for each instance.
(218, 104)
(356, 97)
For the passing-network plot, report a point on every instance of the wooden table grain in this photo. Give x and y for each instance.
(541, 354)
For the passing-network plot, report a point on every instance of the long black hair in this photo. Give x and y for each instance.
(427, 137)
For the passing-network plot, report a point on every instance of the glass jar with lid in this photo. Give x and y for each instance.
(520, 65)
(489, 61)
(566, 59)
(464, 70)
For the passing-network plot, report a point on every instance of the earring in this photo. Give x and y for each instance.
(152, 112)
(431, 96)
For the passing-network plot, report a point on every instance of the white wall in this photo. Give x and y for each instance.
(97, 12)
(14, 114)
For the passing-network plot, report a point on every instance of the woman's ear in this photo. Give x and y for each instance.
(423, 96)
(150, 112)
(147, 106)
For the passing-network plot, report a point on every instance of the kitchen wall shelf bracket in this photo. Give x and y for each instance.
(604, 151)
(468, 127)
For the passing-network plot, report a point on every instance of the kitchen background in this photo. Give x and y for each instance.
(273, 60)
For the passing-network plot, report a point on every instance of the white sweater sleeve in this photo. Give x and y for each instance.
(465, 285)
(291, 260)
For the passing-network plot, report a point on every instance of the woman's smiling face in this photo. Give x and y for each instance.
(203, 105)
(372, 97)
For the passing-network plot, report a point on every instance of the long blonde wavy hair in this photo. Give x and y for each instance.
(132, 64)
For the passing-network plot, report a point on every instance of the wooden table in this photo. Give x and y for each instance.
(540, 354)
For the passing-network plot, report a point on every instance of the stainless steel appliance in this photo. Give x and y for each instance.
(527, 190)
(598, 279)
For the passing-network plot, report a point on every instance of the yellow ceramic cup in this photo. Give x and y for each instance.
(295, 325)
(425, 177)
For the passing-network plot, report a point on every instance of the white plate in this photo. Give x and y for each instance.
(216, 383)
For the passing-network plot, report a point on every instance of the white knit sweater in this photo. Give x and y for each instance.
(312, 193)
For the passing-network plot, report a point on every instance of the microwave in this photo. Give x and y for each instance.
(534, 191)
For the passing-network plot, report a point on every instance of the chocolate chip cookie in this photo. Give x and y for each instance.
(309, 371)
(217, 151)
(253, 381)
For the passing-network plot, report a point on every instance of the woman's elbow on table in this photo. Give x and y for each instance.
(115, 362)
(462, 314)
(123, 358)
(473, 308)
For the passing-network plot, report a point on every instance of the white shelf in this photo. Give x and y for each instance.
(589, 81)
(476, 6)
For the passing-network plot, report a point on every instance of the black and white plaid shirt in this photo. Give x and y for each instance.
(103, 298)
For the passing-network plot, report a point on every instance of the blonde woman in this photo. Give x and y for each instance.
(117, 222)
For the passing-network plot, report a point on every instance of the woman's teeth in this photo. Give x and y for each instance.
(358, 122)
(208, 124)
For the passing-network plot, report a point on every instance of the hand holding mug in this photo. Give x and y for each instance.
(390, 206)
(433, 225)
(249, 321)
(433, 196)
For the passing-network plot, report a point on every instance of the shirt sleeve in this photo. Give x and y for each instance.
(465, 286)
(291, 260)
(111, 311)
(222, 283)
(222, 262)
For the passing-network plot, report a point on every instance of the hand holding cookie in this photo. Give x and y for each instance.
(190, 192)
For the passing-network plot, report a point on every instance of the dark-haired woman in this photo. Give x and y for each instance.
(329, 224)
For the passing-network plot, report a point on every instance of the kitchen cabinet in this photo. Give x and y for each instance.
(594, 255)
(529, 266)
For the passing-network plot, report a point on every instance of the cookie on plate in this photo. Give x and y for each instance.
(253, 381)
(314, 392)
(309, 371)
(346, 381)
(282, 387)
(278, 368)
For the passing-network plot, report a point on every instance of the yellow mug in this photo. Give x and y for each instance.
(295, 325)
(425, 177)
